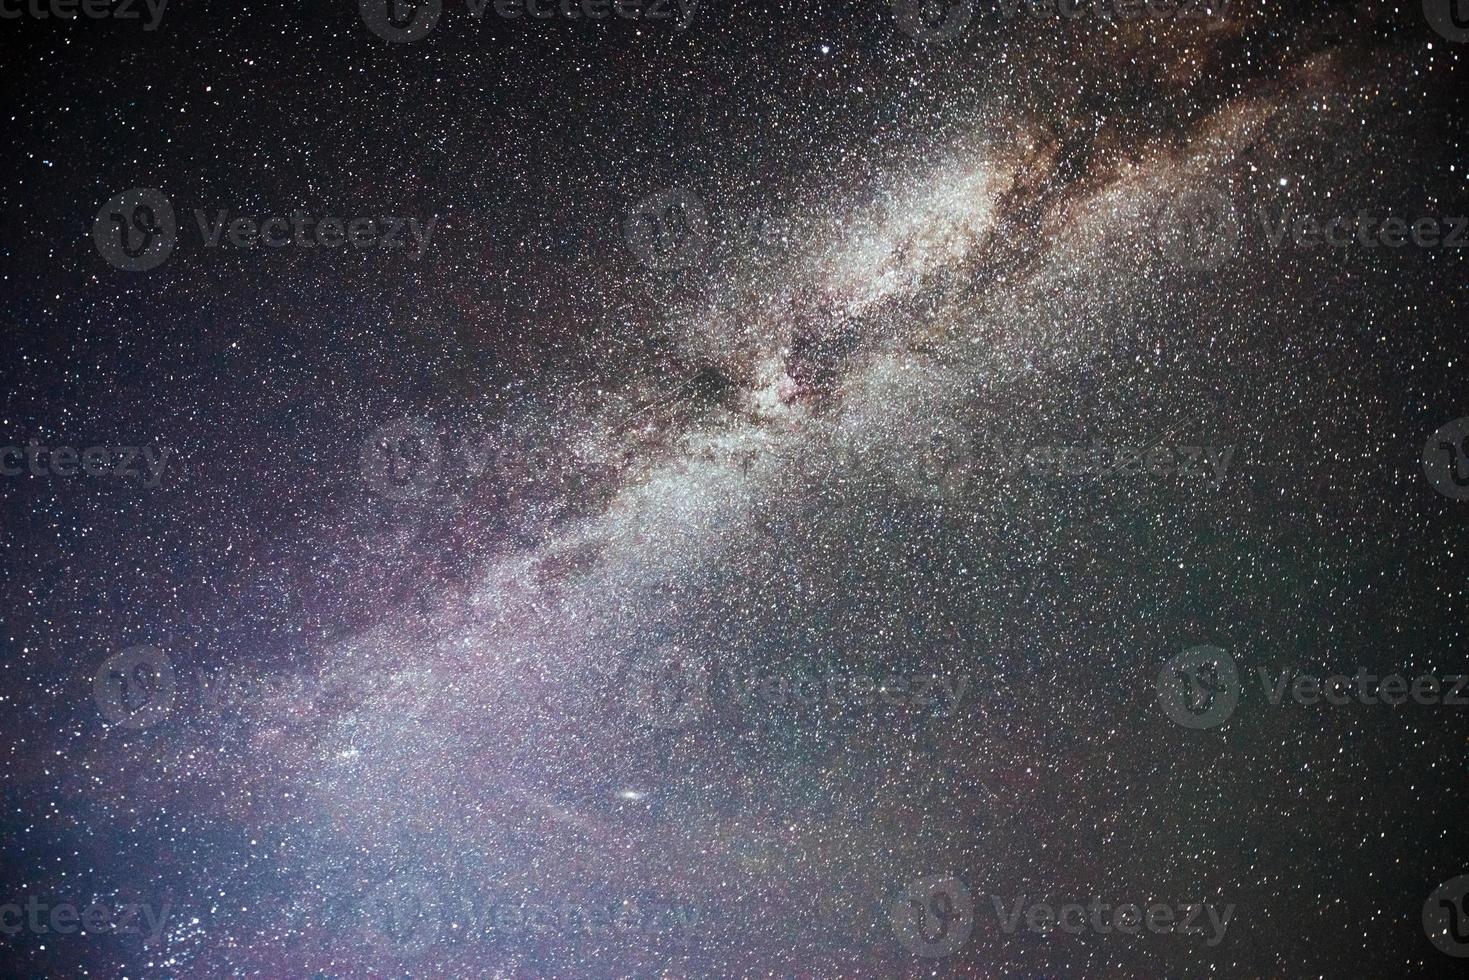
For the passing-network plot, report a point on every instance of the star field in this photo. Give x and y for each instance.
(821, 490)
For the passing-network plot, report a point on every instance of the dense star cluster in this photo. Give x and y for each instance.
(612, 488)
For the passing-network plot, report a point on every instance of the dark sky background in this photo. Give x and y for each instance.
(801, 453)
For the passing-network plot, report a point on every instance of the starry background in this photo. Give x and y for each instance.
(732, 465)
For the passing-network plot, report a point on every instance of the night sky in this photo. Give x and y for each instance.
(742, 490)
